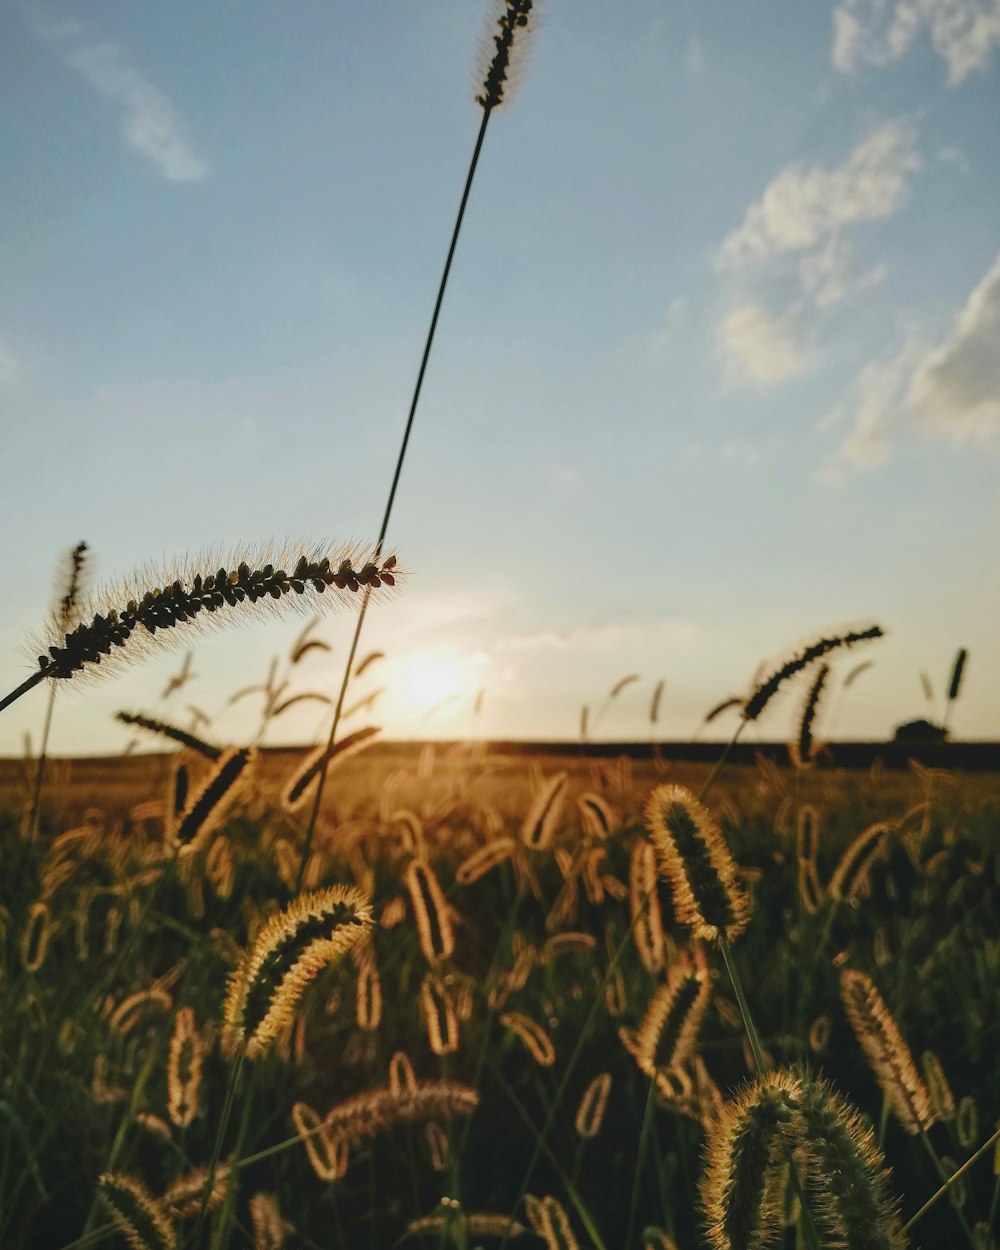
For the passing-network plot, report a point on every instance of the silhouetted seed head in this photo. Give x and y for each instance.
(694, 858)
(71, 587)
(765, 691)
(804, 747)
(505, 50)
(204, 810)
(114, 621)
(590, 1113)
(290, 948)
(887, 1053)
(437, 940)
(539, 825)
(175, 734)
(140, 1218)
(957, 673)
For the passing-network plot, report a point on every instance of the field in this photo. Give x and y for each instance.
(491, 1045)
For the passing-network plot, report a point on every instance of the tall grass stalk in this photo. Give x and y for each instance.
(517, 15)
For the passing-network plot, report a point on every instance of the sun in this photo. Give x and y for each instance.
(428, 680)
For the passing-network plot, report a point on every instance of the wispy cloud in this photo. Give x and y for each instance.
(878, 32)
(150, 124)
(949, 388)
(807, 205)
(758, 348)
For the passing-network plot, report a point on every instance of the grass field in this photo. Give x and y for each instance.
(517, 990)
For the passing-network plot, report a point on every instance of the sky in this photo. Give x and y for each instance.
(717, 372)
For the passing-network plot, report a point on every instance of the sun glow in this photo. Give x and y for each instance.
(428, 680)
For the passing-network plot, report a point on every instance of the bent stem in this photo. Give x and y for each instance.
(43, 751)
(23, 688)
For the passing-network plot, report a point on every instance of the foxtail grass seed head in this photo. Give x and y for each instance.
(117, 621)
(173, 733)
(539, 825)
(554, 1226)
(967, 1122)
(747, 1146)
(440, 1018)
(533, 1036)
(300, 783)
(488, 857)
(437, 1145)
(183, 1197)
(851, 876)
(140, 1218)
(135, 1006)
(267, 1222)
(597, 815)
(654, 1238)
(765, 691)
(848, 1180)
(669, 1030)
(502, 60)
(369, 993)
(430, 909)
(377, 1110)
(328, 1154)
(402, 1078)
(694, 858)
(593, 1104)
(957, 673)
(804, 747)
(184, 1067)
(288, 951)
(71, 586)
(887, 1053)
(35, 936)
(474, 1224)
(204, 810)
(647, 917)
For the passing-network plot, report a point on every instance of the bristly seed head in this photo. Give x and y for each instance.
(508, 39)
(114, 620)
(694, 858)
(289, 950)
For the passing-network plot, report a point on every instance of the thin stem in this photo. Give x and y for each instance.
(720, 762)
(23, 688)
(36, 798)
(943, 1173)
(956, 1175)
(213, 1163)
(321, 783)
(647, 1122)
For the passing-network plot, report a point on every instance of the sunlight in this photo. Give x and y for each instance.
(428, 680)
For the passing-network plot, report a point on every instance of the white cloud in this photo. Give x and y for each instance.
(756, 347)
(956, 385)
(950, 388)
(150, 124)
(9, 367)
(804, 206)
(664, 338)
(878, 32)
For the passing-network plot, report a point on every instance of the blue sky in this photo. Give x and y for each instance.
(717, 371)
